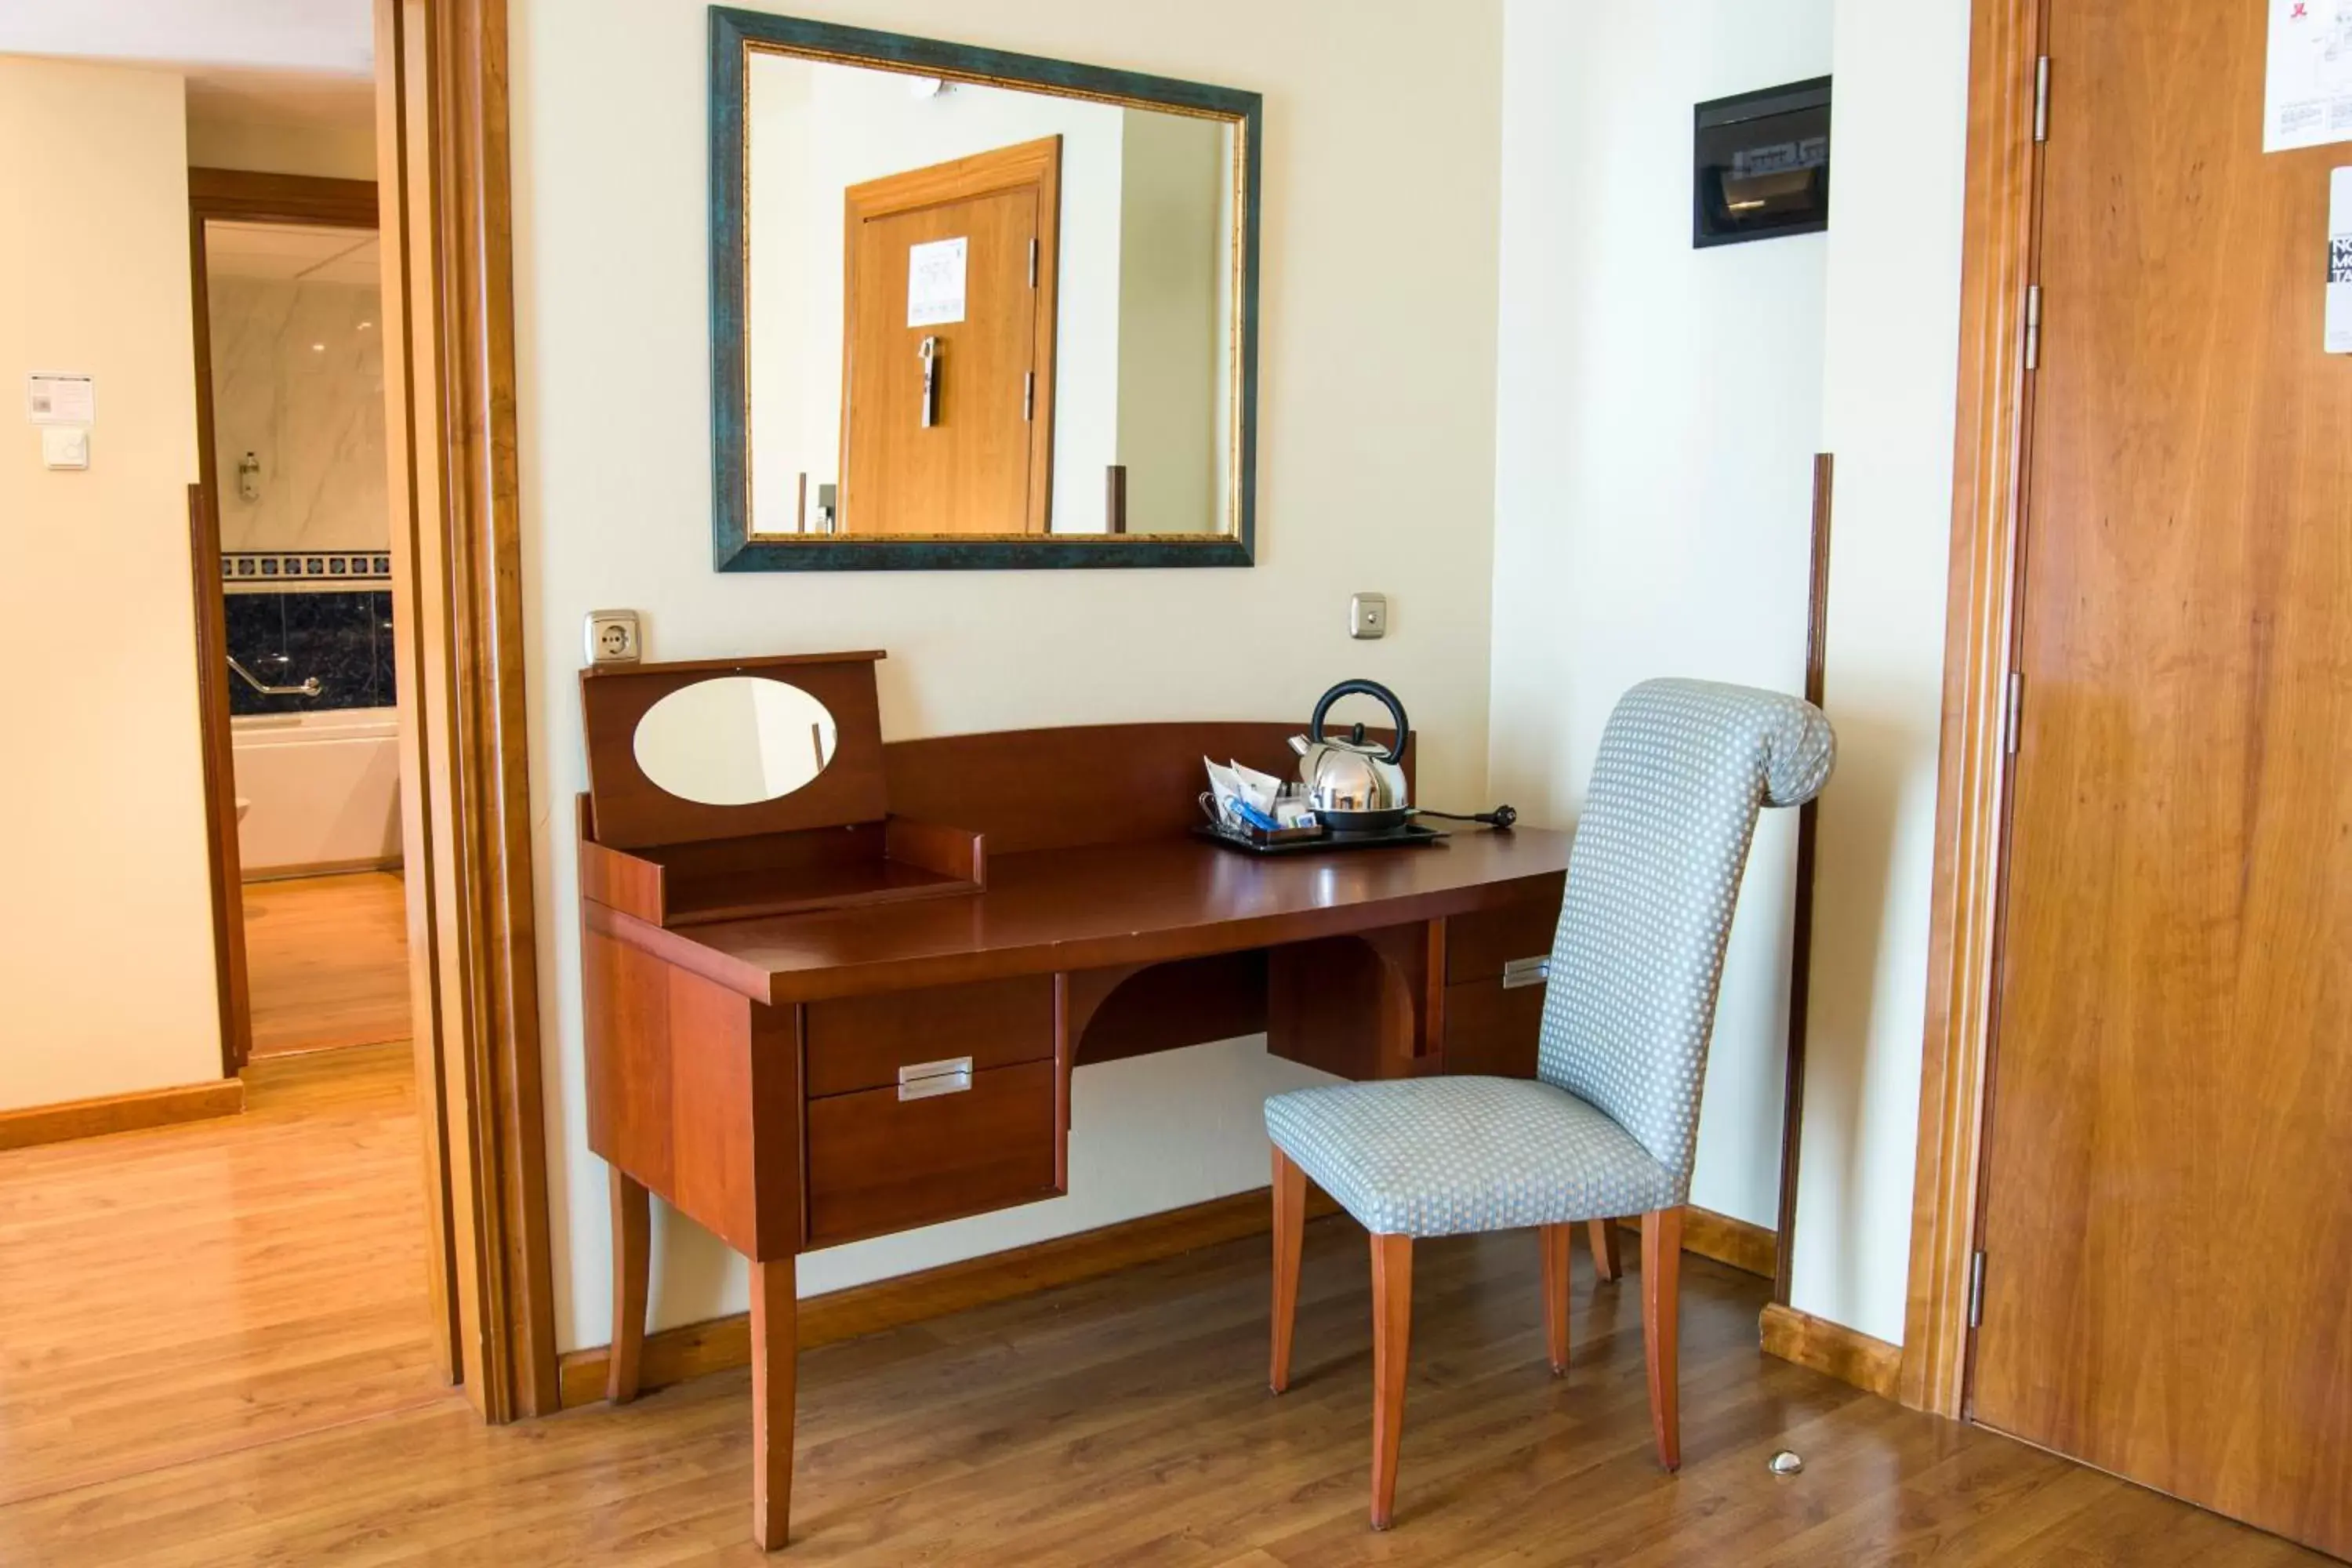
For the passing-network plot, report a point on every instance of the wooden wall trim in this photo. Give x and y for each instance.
(1735, 1243)
(248, 197)
(1988, 456)
(673, 1355)
(33, 1124)
(1831, 1349)
(477, 729)
(233, 1004)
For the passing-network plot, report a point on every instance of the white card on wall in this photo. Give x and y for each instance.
(2340, 262)
(54, 399)
(935, 282)
(2308, 95)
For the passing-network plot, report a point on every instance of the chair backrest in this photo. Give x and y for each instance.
(1652, 880)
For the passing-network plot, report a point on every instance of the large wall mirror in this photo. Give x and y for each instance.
(972, 309)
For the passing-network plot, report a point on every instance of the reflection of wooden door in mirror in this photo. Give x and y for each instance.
(973, 453)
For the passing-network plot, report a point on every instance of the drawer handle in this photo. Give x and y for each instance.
(1521, 972)
(920, 1080)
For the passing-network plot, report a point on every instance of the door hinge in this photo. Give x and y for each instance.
(2012, 717)
(2041, 98)
(1976, 1289)
(1033, 263)
(2033, 327)
(1029, 394)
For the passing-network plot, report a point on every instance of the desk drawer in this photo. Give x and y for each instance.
(1478, 946)
(861, 1042)
(1493, 1031)
(878, 1164)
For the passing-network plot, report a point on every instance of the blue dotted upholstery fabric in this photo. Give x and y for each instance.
(1609, 1123)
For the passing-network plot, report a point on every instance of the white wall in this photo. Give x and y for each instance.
(1175, 339)
(1657, 413)
(1900, 150)
(297, 381)
(1375, 473)
(105, 786)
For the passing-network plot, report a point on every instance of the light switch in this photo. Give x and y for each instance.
(1368, 616)
(65, 447)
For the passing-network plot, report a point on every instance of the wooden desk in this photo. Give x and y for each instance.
(794, 1081)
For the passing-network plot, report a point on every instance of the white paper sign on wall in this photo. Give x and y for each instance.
(935, 282)
(2308, 95)
(54, 399)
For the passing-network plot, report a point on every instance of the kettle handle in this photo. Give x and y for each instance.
(1361, 688)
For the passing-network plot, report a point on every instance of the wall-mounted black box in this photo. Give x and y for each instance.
(1761, 164)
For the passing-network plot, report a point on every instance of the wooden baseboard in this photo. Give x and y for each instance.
(1847, 1354)
(1750, 1248)
(673, 1355)
(299, 870)
(119, 1114)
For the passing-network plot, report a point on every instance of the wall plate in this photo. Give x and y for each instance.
(1368, 616)
(612, 637)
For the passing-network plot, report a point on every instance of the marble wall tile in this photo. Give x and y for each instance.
(297, 379)
(344, 639)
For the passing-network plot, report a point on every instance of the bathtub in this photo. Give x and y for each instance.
(317, 792)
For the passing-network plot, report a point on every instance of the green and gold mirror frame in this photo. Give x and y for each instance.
(736, 36)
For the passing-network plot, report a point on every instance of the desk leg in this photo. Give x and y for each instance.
(775, 1353)
(632, 1266)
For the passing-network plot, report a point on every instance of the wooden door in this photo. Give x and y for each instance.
(977, 458)
(2167, 1219)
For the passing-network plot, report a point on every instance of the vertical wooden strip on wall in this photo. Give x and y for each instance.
(1989, 450)
(1800, 938)
(412, 502)
(494, 942)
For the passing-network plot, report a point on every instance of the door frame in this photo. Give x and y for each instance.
(2000, 260)
(1036, 163)
(445, 181)
(239, 195)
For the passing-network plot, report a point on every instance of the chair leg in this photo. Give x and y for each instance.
(1391, 1334)
(1289, 1239)
(1555, 1241)
(1602, 1235)
(1662, 1267)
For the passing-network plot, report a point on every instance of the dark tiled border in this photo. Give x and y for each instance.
(246, 571)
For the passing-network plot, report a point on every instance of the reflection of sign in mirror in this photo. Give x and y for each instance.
(734, 740)
(935, 282)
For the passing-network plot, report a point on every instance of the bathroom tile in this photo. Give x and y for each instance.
(298, 382)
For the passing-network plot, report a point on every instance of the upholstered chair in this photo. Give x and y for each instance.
(1607, 1126)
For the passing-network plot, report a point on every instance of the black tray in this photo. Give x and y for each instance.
(1411, 834)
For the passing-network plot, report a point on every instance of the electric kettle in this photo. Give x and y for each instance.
(1355, 787)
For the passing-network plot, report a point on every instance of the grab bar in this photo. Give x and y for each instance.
(308, 689)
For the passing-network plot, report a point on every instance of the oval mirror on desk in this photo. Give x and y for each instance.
(734, 740)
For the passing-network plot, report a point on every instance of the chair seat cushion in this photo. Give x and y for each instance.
(1441, 1157)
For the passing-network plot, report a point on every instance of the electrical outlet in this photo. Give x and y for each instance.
(1368, 616)
(612, 637)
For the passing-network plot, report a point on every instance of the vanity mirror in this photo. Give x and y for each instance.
(734, 740)
(972, 309)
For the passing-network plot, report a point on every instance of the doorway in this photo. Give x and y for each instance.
(2164, 1248)
(294, 542)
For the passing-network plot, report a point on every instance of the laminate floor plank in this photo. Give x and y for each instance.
(1124, 1421)
(178, 1293)
(326, 961)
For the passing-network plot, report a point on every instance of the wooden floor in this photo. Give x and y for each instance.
(217, 1286)
(1125, 1421)
(327, 962)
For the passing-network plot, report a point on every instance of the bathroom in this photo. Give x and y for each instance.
(292, 313)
